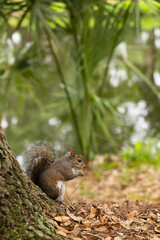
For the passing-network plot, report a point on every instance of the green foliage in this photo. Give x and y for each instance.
(63, 62)
(143, 152)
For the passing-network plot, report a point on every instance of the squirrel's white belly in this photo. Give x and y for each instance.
(61, 187)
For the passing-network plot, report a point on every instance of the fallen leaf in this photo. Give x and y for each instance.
(149, 220)
(118, 238)
(62, 233)
(62, 229)
(132, 215)
(93, 210)
(126, 224)
(101, 229)
(106, 209)
(87, 223)
(115, 225)
(93, 213)
(108, 238)
(154, 216)
(66, 223)
(75, 218)
(103, 218)
(157, 228)
(77, 238)
(140, 237)
(62, 219)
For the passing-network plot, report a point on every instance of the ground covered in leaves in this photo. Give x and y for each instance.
(117, 184)
(100, 220)
(119, 203)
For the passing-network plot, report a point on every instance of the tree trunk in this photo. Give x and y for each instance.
(22, 204)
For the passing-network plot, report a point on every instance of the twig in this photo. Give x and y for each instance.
(78, 185)
(127, 201)
(69, 201)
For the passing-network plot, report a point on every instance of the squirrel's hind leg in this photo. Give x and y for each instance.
(53, 193)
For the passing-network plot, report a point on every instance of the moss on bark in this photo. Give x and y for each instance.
(21, 202)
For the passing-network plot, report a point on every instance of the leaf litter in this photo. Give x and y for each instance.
(116, 214)
(112, 220)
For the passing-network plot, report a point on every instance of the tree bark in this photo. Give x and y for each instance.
(22, 204)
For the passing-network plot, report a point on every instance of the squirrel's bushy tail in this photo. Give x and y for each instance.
(38, 157)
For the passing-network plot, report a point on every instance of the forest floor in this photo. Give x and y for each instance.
(140, 183)
(120, 203)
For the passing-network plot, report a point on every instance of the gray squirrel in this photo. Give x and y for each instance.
(49, 173)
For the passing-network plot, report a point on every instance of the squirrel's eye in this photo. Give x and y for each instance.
(79, 160)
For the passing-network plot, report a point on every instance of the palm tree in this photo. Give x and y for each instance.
(89, 31)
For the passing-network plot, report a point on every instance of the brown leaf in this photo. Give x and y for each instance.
(87, 223)
(118, 238)
(108, 238)
(93, 213)
(103, 218)
(62, 233)
(115, 225)
(140, 237)
(107, 210)
(75, 218)
(157, 228)
(132, 215)
(93, 210)
(62, 219)
(101, 229)
(62, 229)
(77, 238)
(149, 220)
(66, 223)
(153, 215)
(126, 224)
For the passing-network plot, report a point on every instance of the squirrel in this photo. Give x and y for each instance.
(49, 173)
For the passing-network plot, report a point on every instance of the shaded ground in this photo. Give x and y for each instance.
(116, 205)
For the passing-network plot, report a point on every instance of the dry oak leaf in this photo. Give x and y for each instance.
(75, 218)
(62, 219)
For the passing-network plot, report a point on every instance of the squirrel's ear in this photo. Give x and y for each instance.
(71, 153)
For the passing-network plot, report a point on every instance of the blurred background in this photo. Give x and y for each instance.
(82, 74)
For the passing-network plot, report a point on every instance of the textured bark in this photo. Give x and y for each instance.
(21, 202)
